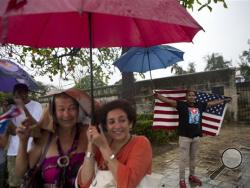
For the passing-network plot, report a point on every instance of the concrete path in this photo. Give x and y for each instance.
(236, 178)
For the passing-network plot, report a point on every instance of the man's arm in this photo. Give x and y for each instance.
(218, 101)
(172, 102)
(4, 140)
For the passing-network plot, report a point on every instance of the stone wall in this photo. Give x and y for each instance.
(220, 81)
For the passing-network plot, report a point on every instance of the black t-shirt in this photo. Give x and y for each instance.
(190, 118)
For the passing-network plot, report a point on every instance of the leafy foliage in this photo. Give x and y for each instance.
(3, 96)
(191, 68)
(245, 64)
(144, 127)
(69, 63)
(215, 62)
(178, 70)
(84, 83)
(190, 4)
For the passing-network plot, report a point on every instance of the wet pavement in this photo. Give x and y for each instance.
(244, 179)
(227, 178)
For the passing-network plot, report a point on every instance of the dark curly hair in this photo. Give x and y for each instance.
(122, 104)
(20, 87)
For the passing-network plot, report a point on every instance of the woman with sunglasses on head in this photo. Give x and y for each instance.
(63, 146)
(127, 157)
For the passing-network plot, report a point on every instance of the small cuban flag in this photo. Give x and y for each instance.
(4, 118)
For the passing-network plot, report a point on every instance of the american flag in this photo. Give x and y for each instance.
(166, 117)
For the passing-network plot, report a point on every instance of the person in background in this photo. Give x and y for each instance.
(31, 112)
(64, 134)
(3, 173)
(189, 131)
(5, 106)
(128, 157)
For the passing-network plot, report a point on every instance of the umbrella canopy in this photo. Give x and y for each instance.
(11, 74)
(95, 23)
(141, 60)
(114, 23)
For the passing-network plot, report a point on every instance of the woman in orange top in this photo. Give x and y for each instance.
(127, 157)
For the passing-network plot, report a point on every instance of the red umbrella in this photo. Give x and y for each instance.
(95, 23)
(65, 23)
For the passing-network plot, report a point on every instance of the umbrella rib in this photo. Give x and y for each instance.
(158, 58)
(162, 62)
(124, 65)
(142, 62)
(140, 32)
(149, 65)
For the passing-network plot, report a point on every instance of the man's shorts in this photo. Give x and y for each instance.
(13, 180)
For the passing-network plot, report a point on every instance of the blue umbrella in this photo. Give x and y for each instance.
(11, 74)
(138, 59)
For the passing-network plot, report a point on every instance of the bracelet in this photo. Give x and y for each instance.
(88, 155)
(112, 156)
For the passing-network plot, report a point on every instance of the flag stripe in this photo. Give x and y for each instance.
(171, 91)
(162, 104)
(209, 126)
(165, 112)
(165, 108)
(160, 123)
(166, 117)
(210, 123)
(164, 127)
(208, 118)
(209, 130)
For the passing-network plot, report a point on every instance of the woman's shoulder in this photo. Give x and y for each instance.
(140, 139)
(141, 145)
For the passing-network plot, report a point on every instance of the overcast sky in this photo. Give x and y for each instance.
(226, 32)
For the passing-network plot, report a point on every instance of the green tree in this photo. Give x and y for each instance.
(178, 70)
(43, 89)
(69, 63)
(84, 82)
(215, 62)
(128, 84)
(191, 68)
(190, 4)
(245, 63)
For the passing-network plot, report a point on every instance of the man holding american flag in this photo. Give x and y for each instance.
(189, 129)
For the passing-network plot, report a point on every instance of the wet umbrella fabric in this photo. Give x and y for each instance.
(11, 74)
(141, 60)
(114, 23)
(95, 24)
